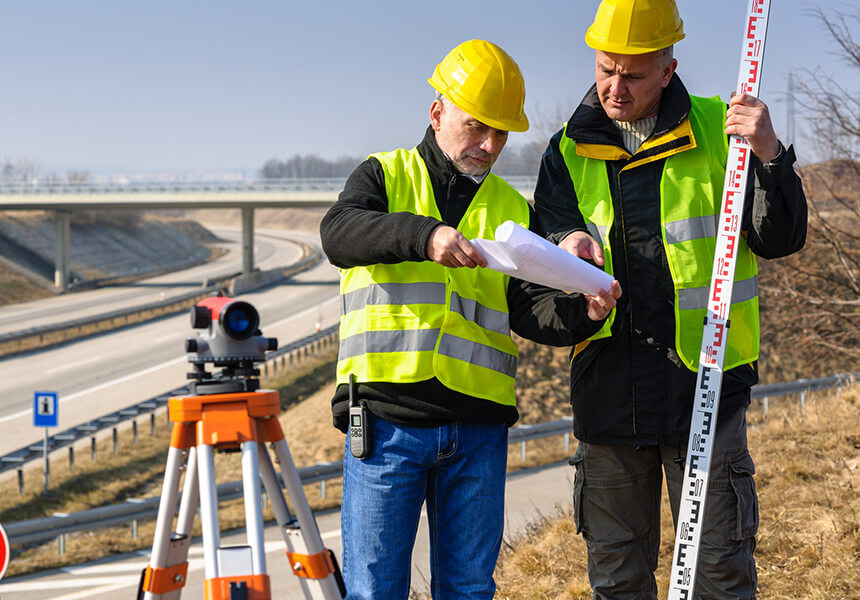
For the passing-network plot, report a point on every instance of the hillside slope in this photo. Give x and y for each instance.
(103, 247)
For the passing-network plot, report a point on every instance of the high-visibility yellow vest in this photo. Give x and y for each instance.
(413, 321)
(690, 197)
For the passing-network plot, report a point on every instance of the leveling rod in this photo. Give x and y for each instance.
(706, 400)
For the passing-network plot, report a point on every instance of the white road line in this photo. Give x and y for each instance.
(107, 575)
(74, 365)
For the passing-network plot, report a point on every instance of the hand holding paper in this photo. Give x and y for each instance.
(518, 252)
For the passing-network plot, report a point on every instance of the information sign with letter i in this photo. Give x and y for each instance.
(45, 409)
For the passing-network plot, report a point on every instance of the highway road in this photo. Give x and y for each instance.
(530, 496)
(271, 250)
(104, 373)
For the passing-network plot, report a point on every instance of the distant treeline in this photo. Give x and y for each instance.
(514, 160)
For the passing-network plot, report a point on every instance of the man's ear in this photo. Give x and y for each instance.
(436, 110)
(668, 71)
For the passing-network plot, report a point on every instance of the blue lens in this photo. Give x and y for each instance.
(240, 320)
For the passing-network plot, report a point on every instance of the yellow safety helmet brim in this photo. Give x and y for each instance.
(481, 79)
(635, 26)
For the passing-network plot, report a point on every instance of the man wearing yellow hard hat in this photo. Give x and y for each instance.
(634, 182)
(426, 334)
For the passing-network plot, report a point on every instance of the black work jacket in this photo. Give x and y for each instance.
(632, 387)
(358, 230)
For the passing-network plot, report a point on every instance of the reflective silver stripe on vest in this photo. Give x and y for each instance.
(488, 318)
(598, 232)
(694, 228)
(697, 298)
(401, 340)
(478, 354)
(393, 293)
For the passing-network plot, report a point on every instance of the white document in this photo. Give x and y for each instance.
(518, 252)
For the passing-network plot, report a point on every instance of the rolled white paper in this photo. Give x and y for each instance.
(518, 252)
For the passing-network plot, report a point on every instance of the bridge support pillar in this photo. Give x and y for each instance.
(61, 264)
(247, 239)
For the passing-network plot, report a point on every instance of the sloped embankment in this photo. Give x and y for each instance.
(102, 247)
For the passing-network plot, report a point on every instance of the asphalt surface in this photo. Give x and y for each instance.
(100, 374)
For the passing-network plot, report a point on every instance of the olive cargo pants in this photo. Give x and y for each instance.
(617, 493)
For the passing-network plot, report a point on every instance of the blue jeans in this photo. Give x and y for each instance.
(459, 469)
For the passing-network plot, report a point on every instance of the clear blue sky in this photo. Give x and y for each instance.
(176, 86)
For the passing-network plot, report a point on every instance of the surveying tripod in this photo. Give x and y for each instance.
(227, 412)
(244, 421)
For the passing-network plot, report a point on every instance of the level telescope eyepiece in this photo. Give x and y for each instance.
(228, 336)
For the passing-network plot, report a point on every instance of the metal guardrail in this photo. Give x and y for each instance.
(40, 530)
(291, 184)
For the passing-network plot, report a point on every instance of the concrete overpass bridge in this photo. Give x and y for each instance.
(64, 198)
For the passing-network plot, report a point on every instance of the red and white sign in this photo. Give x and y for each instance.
(5, 551)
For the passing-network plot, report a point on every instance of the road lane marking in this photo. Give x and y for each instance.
(106, 575)
(74, 365)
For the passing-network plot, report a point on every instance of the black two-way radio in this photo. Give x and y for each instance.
(359, 441)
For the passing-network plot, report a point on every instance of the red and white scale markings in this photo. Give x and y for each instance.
(706, 400)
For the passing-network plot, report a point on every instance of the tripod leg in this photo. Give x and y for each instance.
(253, 501)
(318, 563)
(287, 522)
(232, 572)
(164, 577)
(190, 496)
(208, 509)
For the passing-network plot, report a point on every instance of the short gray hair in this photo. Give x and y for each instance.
(664, 56)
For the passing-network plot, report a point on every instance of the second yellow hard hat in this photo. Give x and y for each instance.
(635, 26)
(484, 81)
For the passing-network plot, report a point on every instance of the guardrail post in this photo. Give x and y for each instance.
(803, 398)
(93, 448)
(134, 431)
(115, 435)
(152, 424)
(71, 459)
(20, 481)
(764, 404)
(322, 489)
(522, 451)
(134, 529)
(567, 442)
(61, 544)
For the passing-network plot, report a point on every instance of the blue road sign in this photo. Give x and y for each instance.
(45, 409)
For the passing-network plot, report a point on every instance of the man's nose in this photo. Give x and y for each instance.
(617, 88)
(492, 143)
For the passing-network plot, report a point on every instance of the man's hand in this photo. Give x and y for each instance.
(601, 305)
(749, 118)
(449, 248)
(582, 245)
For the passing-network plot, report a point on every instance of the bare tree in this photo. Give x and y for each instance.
(811, 301)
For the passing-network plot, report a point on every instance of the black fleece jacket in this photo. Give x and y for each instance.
(358, 230)
(632, 388)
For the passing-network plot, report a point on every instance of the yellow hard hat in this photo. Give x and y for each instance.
(635, 26)
(484, 81)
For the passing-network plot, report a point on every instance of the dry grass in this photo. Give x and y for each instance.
(809, 538)
(15, 288)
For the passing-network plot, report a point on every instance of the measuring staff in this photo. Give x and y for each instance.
(633, 181)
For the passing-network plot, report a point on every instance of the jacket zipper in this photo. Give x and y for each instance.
(629, 303)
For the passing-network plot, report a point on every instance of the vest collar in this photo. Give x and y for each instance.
(596, 136)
